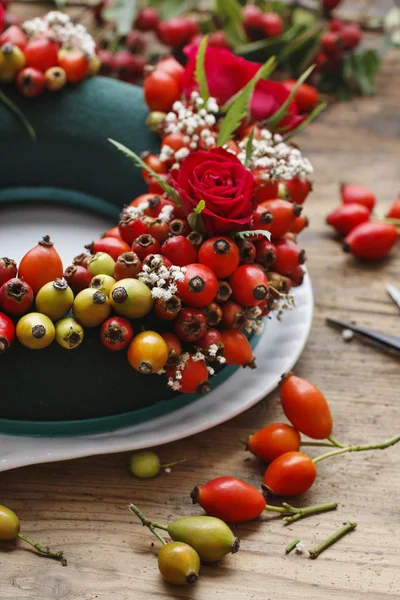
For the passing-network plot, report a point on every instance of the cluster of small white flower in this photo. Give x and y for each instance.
(59, 27)
(193, 120)
(281, 160)
(174, 383)
(212, 352)
(254, 323)
(160, 279)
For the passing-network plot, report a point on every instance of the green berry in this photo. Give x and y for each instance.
(145, 465)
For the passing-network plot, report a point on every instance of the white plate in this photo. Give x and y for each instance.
(21, 226)
(277, 351)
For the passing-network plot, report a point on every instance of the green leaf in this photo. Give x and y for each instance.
(168, 8)
(242, 235)
(300, 41)
(317, 110)
(233, 28)
(280, 113)
(19, 114)
(249, 148)
(260, 45)
(239, 106)
(200, 72)
(123, 12)
(140, 163)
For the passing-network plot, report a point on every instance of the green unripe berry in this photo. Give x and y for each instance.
(55, 299)
(145, 465)
(101, 264)
(69, 334)
(131, 298)
(103, 283)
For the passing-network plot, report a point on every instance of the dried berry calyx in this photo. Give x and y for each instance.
(46, 241)
(60, 284)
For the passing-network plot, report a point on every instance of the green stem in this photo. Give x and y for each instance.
(147, 523)
(45, 551)
(360, 448)
(310, 510)
(19, 114)
(277, 509)
(324, 444)
(291, 546)
(294, 514)
(315, 552)
(178, 462)
(335, 442)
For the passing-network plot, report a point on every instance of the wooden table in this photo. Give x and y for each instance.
(81, 506)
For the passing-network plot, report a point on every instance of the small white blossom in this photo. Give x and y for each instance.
(182, 153)
(212, 350)
(166, 213)
(167, 470)
(210, 370)
(174, 385)
(221, 359)
(161, 372)
(198, 356)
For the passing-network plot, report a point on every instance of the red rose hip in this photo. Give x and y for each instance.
(347, 216)
(291, 474)
(8, 269)
(199, 286)
(249, 285)
(359, 194)
(221, 254)
(179, 251)
(371, 240)
(16, 297)
(229, 499)
(7, 332)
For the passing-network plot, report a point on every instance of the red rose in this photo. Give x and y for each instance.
(2, 17)
(227, 74)
(227, 188)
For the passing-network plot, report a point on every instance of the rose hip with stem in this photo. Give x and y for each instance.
(10, 530)
(235, 501)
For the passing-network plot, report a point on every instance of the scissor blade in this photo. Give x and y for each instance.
(394, 293)
(384, 341)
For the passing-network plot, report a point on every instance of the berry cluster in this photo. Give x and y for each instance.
(199, 277)
(340, 39)
(46, 53)
(365, 238)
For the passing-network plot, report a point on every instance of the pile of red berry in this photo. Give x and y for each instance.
(340, 39)
(364, 237)
(46, 53)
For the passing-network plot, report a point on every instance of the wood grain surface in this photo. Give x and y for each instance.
(81, 506)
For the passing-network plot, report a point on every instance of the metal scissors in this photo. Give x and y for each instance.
(388, 343)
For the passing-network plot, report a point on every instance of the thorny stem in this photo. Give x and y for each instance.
(359, 448)
(294, 514)
(45, 551)
(149, 524)
(291, 546)
(315, 552)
